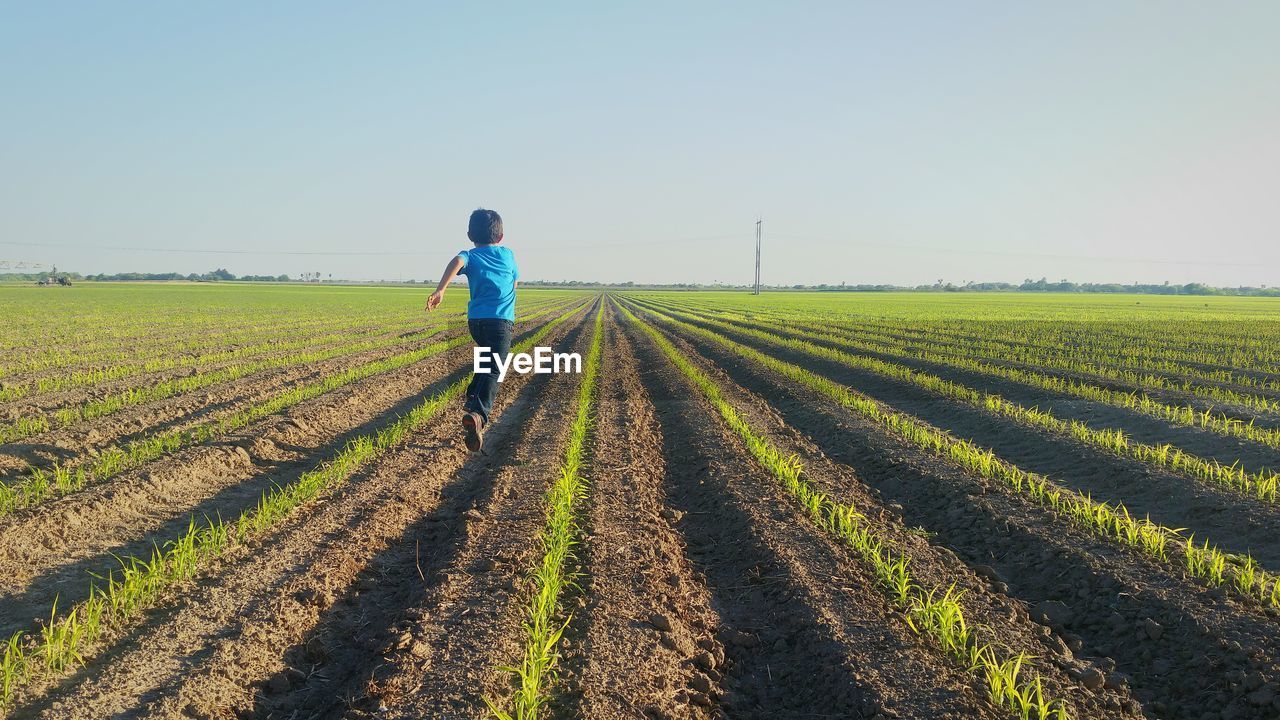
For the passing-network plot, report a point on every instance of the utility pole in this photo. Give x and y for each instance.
(758, 221)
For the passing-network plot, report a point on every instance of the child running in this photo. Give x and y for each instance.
(492, 277)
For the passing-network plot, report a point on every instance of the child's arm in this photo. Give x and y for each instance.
(450, 271)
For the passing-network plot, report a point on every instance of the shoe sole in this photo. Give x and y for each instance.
(473, 438)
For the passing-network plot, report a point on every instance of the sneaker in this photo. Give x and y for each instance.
(472, 422)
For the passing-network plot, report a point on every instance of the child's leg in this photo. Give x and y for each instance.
(471, 404)
(496, 335)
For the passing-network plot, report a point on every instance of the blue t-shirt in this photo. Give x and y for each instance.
(491, 276)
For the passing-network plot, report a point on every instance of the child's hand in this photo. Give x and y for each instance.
(433, 302)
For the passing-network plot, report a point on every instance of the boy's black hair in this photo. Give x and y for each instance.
(485, 227)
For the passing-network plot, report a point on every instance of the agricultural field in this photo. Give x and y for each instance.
(253, 501)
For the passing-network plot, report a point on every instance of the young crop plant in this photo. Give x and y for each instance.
(139, 583)
(13, 665)
(41, 484)
(23, 427)
(933, 613)
(543, 625)
(1113, 522)
(1262, 485)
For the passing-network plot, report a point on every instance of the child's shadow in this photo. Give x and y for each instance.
(36, 455)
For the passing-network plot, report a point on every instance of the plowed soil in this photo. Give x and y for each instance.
(1100, 600)
(701, 588)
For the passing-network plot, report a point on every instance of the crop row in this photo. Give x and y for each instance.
(1240, 573)
(1038, 348)
(268, 344)
(66, 417)
(111, 342)
(1232, 361)
(1090, 346)
(145, 355)
(41, 484)
(1262, 484)
(102, 326)
(1068, 361)
(544, 622)
(39, 333)
(1233, 340)
(1184, 415)
(1091, 367)
(935, 613)
(139, 583)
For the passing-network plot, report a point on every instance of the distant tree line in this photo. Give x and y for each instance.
(1066, 286)
(1029, 285)
(211, 276)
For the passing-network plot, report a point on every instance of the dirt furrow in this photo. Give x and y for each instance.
(802, 629)
(457, 613)
(633, 648)
(241, 640)
(1187, 652)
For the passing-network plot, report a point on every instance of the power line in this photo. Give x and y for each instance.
(1015, 253)
(647, 243)
(200, 251)
(533, 245)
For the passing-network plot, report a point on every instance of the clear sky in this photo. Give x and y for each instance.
(881, 142)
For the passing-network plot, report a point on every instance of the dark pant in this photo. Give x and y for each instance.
(494, 334)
